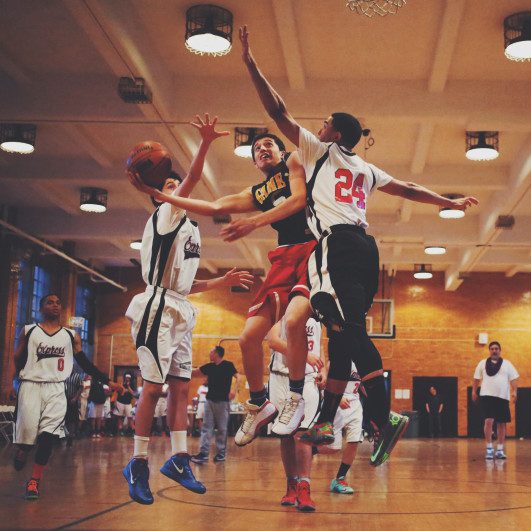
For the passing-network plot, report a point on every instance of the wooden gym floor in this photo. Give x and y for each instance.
(428, 484)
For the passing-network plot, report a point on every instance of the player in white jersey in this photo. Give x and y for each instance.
(296, 456)
(162, 320)
(44, 360)
(343, 269)
(348, 419)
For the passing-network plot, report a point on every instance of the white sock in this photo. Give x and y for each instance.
(178, 442)
(141, 446)
(303, 478)
(489, 446)
(500, 447)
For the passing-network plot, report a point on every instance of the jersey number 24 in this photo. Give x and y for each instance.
(347, 188)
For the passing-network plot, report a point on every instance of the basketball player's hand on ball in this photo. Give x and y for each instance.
(137, 182)
(243, 279)
(206, 129)
(237, 229)
(464, 202)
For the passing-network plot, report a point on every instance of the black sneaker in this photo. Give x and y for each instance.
(218, 458)
(199, 458)
(386, 439)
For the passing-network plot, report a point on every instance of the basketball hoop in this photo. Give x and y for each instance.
(369, 8)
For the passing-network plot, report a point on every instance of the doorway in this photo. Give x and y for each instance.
(522, 409)
(447, 389)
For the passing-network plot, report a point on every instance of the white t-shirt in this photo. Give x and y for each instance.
(313, 333)
(338, 183)
(202, 391)
(497, 385)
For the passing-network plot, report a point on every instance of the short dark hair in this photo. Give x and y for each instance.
(220, 351)
(494, 343)
(43, 299)
(275, 139)
(349, 127)
(173, 175)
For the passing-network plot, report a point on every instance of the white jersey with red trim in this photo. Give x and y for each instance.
(313, 333)
(49, 358)
(353, 385)
(338, 183)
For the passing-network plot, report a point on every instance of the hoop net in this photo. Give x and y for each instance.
(369, 8)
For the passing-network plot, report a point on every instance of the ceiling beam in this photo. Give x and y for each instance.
(422, 147)
(82, 136)
(448, 33)
(289, 42)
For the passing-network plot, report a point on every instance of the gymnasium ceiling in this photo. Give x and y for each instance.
(418, 80)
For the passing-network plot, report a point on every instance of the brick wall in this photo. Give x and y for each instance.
(436, 330)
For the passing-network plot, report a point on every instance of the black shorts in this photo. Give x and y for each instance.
(496, 408)
(343, 275)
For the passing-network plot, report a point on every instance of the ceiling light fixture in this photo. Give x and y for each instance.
(136, 244)
(434, 249)
(451, 213)
(18, 138)
(93, 200)
(208, 30)
(517, 36)
(482, 145)
(423, 271)
(243, 140)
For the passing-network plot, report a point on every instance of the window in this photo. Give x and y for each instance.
(34, 283)
(85, 308)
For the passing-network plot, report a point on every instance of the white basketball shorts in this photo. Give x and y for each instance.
(123, 410)
(161, 325)
(279, 392)
(41, 407)
(350, 420)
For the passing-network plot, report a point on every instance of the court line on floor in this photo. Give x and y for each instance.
(94, 515)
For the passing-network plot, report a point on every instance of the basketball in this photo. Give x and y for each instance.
(151, 161)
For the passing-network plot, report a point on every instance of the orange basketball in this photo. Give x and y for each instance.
(151, 161)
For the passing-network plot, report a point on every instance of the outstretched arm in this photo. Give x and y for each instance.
(208, 134)
(243, 279)
(230, 204)
(296, 202)
(420, 194)
(271, 100)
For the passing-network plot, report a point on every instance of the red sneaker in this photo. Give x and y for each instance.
(290, 497)
(32, 489)
(304, 501)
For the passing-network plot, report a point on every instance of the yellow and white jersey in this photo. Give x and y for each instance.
(278, 362)
(171, 247)
(49, 358)
(338, 184)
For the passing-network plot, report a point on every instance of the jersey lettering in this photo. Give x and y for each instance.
(345, 190)
(60, 364)
(274, 183)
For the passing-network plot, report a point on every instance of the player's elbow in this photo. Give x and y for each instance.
(409, 190)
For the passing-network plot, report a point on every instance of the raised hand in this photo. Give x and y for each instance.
(244, 39)
(207, 129)
(464, 202)
(244, 279)
(237, 229)
(137, 182)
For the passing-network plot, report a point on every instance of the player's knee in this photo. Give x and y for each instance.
(249, 340)
(152, 390)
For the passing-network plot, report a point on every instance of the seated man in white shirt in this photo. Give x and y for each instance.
(498, 382)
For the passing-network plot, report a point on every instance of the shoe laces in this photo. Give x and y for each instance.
(249, 419)
(303, 488)
(342, 482)
(288, 410)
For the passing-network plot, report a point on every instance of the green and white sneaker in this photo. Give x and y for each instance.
(340, 486)
(319, 434)
(386, 439)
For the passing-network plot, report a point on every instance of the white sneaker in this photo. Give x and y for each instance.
(256, 418)
(291, 416)
(500, 454)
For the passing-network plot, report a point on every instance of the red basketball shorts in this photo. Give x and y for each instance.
(287, 277)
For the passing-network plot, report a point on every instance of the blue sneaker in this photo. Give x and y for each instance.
(177, 467)
(136, 473)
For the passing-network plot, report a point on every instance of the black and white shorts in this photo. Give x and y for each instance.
(343, 275)
(161, 325)
(496, 408)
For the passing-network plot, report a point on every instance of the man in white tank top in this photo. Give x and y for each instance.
(162, 320)
(44, 360)
(343, 268)
(296, 457)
